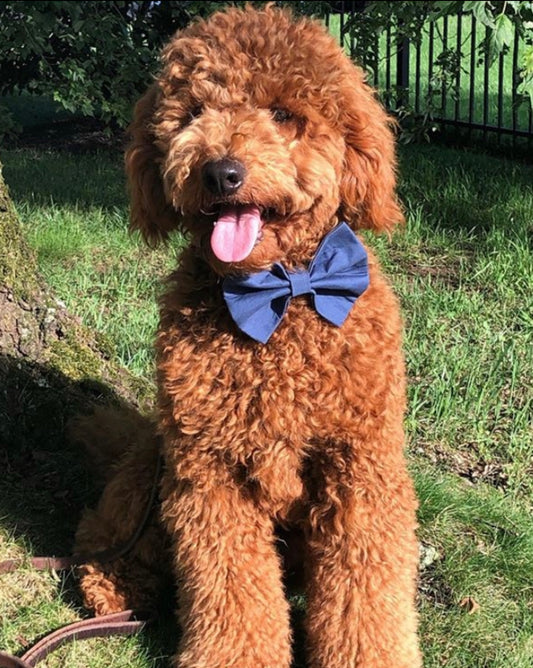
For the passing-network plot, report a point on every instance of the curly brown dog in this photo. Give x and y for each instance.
(257, 140)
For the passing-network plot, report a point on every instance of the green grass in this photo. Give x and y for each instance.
(484, 541)
(37, 608)
(463, 268)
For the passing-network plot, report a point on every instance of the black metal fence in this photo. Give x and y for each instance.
(445, 77)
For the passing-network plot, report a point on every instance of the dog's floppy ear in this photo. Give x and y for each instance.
(150, 213)
(368, 198)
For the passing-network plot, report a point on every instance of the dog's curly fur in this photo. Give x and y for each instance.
(304, 432)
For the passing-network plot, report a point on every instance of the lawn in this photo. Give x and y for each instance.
(463, 268)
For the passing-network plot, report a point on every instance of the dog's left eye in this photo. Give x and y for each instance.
(281, 115)
(195, 112)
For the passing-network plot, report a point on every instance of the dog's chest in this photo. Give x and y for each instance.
(304, 378)
(257, 412)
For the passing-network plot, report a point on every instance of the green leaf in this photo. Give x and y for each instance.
(481, 11)
(504, 32)
(527, 60)
(526, 88)
(526, 73)
(443, 7)
(501, 37)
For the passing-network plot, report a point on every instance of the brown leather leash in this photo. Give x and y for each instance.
(127, 622)
(119, 623)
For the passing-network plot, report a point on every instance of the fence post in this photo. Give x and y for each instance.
(402, 69)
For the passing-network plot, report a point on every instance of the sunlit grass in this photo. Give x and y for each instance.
(463, 268)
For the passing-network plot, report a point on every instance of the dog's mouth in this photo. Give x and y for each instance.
(237, 229)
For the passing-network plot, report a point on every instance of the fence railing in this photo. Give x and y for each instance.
(415, 77)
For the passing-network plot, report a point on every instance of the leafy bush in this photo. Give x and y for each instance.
(92, 57)
(410, 20)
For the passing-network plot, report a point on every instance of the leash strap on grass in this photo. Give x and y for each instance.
(119, 623)
(40, 564)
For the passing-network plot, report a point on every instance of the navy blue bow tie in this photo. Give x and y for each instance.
(336, 277)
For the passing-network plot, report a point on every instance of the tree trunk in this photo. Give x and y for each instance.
(51, 368)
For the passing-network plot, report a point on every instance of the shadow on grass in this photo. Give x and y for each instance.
(46, 480)
(466, 191)
(47, 483)
(43, 177)
(457, 189)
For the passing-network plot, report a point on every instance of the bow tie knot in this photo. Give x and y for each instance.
(300, 282)
(336, 277)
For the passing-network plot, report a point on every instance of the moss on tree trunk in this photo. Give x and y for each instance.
(17, 263)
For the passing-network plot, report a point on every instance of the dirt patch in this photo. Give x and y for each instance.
(445, 273)
(467, 464)
(431, 264)
(433, 588)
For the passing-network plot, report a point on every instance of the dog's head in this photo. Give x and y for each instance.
(257, 137)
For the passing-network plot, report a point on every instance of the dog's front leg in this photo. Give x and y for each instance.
(362, 565)
(232, 608)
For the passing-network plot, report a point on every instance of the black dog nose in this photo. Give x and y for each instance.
(223, 177)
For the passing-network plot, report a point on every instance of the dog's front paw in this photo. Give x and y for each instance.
(101, 593)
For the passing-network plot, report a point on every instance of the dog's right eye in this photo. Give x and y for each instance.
(281, 115)
(194, 112)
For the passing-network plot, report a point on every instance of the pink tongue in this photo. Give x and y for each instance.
(235, 233)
